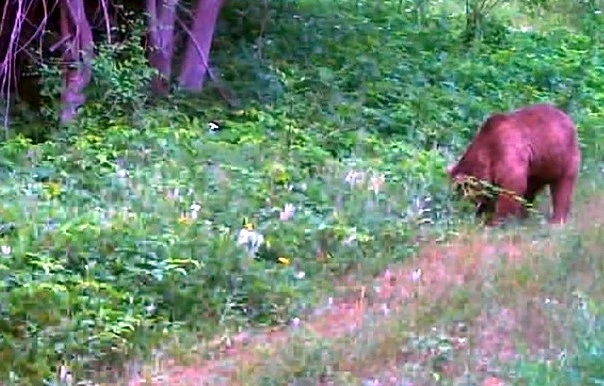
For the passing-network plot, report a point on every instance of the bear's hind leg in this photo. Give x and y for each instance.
(562, 192)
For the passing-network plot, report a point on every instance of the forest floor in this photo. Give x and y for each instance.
(463, 309)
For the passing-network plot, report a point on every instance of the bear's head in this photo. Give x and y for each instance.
(472, 189)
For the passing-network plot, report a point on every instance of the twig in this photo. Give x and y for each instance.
(8, 70)
(107, 22)
(262, 28)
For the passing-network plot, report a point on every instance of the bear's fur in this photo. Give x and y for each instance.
(523, 151)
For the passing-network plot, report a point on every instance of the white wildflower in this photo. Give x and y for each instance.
(195, 208)
(6, 250)
(173, 194)
(64, 375)
(150, 309)
(385, 309)
(287, 213)
(122, 173)
(370, 382)
(89, 266)
(250, 240)
(351, 238)
(376, 182)
(416, 275)
(300, 275)
(354, 178)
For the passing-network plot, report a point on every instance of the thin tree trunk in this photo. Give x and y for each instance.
(76, 56)
(161, 39)
(195, 64)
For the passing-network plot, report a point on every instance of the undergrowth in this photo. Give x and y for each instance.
(188, 217)
(554, 292)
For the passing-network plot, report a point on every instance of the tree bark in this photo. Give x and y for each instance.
(161, 41)
(195, 64)
(78, 52)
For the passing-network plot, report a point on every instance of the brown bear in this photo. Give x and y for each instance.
(521, 152)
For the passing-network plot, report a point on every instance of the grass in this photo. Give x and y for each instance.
(119, 236)
(533, 294)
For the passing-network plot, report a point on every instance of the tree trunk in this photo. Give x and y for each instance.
(77, 72)
(161, 41)
(195, 64)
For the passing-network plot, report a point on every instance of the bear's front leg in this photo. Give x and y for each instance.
(506, 207)
(514, 183)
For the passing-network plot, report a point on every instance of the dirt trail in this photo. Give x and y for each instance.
(427, 277)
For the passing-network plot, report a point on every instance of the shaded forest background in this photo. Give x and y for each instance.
(42, 39)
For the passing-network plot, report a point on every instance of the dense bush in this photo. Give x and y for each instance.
(125, 228)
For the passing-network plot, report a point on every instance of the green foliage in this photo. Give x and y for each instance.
(582, 368)
(371, 73)
(570, 12)
(120, 80)
(123, 229)
(118, 89)
(118, 237)
(583, 364)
